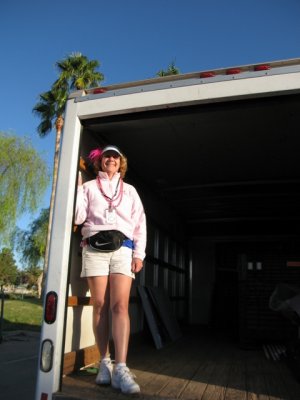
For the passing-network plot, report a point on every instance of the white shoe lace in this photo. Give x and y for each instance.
(127, 376)
(105, 369)
(106, 364)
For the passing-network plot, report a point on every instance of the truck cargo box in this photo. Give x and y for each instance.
(214, 157)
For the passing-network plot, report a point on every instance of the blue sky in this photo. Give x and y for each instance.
(132, 40)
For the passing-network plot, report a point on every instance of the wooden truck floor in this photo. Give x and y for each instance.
(200, 365)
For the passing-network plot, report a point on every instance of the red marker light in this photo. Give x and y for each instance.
(207, 74)
(50, 308)
(99, 90)
(262, 67)
(232, 71)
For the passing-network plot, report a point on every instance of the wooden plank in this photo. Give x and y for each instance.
(163, 371)
(293, 263)
(216, 385)
(205, 354)
(169, 367)
(149, 363)
(164, 309)
(150, 317)
(290, 381)
(236, 385)
(219, 362)
(75, 360)
(181, 371)
(198, 384)
(280, 381)
(179, 380)
(74, 301)
(274, 380)
(200, 365)
(255, 382)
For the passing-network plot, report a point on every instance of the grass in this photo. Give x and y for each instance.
(22, 314)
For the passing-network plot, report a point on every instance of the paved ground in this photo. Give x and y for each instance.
(18, 365)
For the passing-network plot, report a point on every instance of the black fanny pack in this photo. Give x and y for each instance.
(106, 241)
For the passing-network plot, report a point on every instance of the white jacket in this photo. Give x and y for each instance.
(91, 208)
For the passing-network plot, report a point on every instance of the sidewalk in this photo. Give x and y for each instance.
(18, 365)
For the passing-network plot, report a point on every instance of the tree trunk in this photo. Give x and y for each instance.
(58, 125)
(39, 285)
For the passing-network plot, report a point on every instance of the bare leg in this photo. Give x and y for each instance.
(99, 287)
(120, 286)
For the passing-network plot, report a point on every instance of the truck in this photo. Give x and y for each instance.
(214, 157)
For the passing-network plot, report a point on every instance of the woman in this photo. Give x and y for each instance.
(109, 204)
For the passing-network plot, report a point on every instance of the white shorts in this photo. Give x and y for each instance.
(96, 263)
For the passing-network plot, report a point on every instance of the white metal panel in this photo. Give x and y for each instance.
(83, 335)
(60, 246)
(202, 93)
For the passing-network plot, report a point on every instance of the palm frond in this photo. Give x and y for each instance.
(75, 72)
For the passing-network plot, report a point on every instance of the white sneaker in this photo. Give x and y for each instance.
(105, 371)
(123, 379)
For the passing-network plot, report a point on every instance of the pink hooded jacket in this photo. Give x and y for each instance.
(130, 216)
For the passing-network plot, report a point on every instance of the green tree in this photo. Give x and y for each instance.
(75, 72)
(31, 243)
(172, 70)
(32, 275)
(8, 268)
(24, 177)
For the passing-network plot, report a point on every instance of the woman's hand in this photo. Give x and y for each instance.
(79, 181)
(136, 265)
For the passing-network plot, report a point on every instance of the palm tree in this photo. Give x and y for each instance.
(172, 70)
(76, 72)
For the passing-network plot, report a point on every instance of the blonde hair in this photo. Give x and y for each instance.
(123, 166)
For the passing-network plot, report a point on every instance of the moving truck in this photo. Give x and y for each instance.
(214, 156)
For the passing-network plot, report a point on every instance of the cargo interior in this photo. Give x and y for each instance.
(220, 183)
